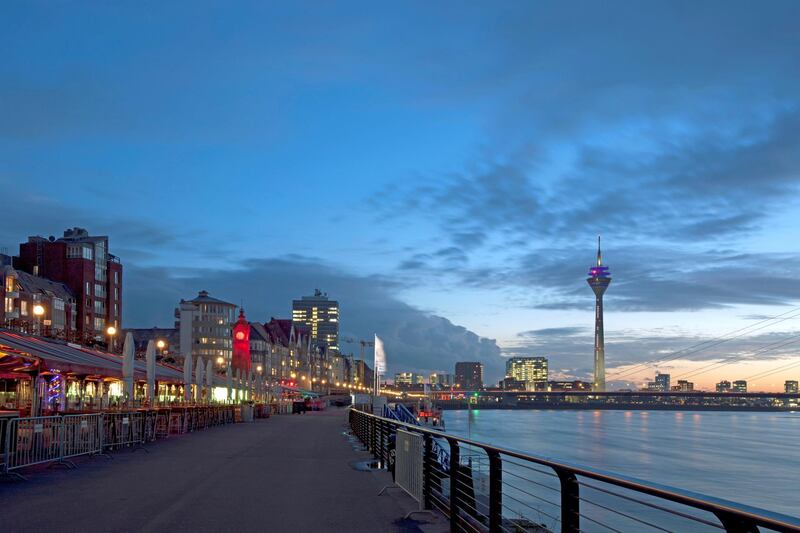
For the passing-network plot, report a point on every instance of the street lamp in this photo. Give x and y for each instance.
(38, 311)
(161, 344)
(111, 331)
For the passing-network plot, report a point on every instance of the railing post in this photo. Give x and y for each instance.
(570, 502)
(736, 524)
(372, 439)
(427, 470)
(454, 481)
(495, 491)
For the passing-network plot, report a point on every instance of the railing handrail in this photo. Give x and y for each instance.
(762, 517)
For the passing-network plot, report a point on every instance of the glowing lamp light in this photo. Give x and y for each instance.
(161, 344)
(38, 310)
(240, 335)
(293, 375)
(220, 360)
(259, 368)
(111, 330)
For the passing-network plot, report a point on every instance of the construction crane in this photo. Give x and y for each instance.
(363, 343)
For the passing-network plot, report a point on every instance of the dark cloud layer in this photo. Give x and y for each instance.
(414, 339)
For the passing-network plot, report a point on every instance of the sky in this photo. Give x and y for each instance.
(442, 169)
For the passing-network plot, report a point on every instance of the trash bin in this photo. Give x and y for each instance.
(247, 413)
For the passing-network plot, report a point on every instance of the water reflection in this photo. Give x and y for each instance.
(724, 454)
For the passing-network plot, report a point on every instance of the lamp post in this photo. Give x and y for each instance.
(161, 344)
(111, 331)
(38, 312)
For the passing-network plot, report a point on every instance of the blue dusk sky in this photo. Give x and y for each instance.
(443, 169)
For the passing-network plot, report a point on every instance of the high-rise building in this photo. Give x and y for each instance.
(469, 375)
(791, 386)
(83, 263)
(683, 386)
(441, 380)
(740, 385)
(321, 316)
(205, 328)
(724, 386)
(531, 370)
(599, 280)
(662, 382)
(404, 379)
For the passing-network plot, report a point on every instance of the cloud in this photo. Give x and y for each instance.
(565, 331)
(415, 340)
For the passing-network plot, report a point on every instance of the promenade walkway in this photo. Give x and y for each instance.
(287, 473)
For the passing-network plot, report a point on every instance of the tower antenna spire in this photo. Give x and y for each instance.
(599, 254)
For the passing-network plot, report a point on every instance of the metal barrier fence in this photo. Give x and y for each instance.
(55, 439)
(82, 435)
(488, 488)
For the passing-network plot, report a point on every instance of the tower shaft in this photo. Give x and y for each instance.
(599, 384)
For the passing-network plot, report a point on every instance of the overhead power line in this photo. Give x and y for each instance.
(716, 341)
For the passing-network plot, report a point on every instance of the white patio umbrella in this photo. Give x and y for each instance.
(128, 352)
(150, 360)
(229, 381)
(210, 379)
(198, 374)
(187, 376)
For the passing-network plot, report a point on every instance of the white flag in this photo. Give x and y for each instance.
(380, 356)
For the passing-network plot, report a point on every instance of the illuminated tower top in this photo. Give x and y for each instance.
(599, 275)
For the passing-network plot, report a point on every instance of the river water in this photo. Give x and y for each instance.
(748, 457)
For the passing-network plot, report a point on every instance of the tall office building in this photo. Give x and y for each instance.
(790, 386)
(724, 386)
(442, 380)
(205, 328)
(662, 383)
(404, 379)
(740, 385)
(469, 375)
(531, 370)
(83, 263)
(321, 316)
(599, 280)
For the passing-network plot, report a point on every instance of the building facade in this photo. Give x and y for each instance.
(23, 295)
(205, 330)
(790, 386)
(441, 380)
(321, 316)
(83, 263)
(724, 386)
(531, 370)
(469, 375)
(740, 385)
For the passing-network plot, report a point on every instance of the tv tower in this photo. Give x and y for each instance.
(599, 280)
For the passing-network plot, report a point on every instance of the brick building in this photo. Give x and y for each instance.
(83, 263)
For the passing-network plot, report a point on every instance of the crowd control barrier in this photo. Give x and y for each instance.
(54, 440)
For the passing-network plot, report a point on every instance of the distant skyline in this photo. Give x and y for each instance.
(442, 170)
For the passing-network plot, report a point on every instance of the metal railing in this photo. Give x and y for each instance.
(56, 439)
(489, 488)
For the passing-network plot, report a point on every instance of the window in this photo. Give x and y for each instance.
(23, 307)
(87, 253)
(116, 310)
(116, 293)
(88, 289)
(9, 305)
(9, 284)
(116, 277)
(99, 290)
(99, 323)
(58, 304)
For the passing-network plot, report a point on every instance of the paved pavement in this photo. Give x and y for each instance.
(288, 473)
